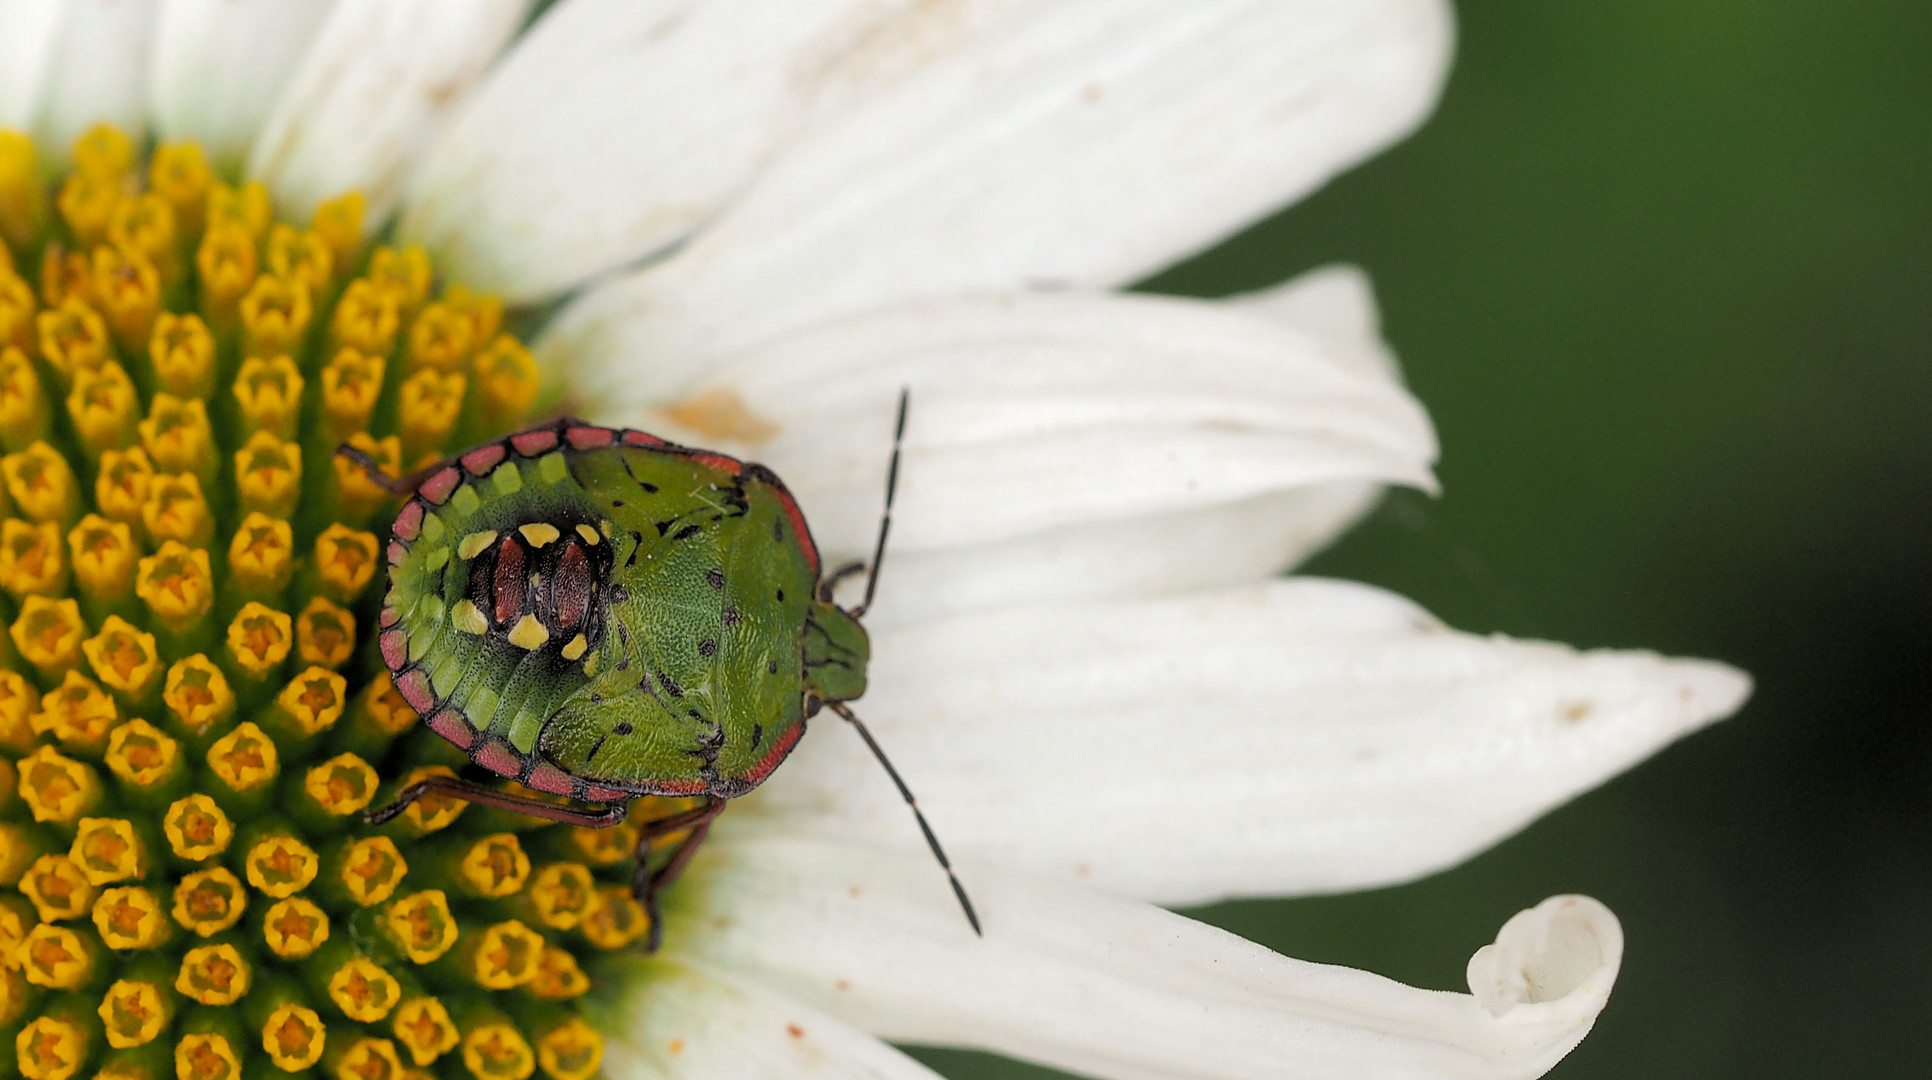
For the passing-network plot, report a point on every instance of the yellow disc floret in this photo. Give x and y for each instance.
(195, 716)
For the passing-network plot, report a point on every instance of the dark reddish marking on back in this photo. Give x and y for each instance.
(641, 438)
(395, 648)
(772, 758)
(437, 488)
(451, 724)
(497, 756)
(717, 461)
(506, 591)
(484, 458)
(570, 586)
(547, 777)
(414, 687)
(590, 438)
(532, 443)
(409, 523)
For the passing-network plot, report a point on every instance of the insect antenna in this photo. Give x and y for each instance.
(379, 476)
(965, 904)
(885, 522)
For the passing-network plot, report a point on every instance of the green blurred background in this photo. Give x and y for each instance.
(1662, 272)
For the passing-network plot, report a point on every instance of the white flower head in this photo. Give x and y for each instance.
(757, 223)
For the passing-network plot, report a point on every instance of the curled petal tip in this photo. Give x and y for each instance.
(1563, 953)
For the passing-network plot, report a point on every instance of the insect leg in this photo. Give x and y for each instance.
(646, 885)
(470, 791)
(395, 485)
(932, 841)
(832, 579)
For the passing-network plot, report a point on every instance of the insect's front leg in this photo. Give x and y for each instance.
(471, 791)
(644, 884)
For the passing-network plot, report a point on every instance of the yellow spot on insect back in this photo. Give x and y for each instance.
(469, 618)
(281, 866)
(528, 633)
(209, 901)
(134, 1012)
(539, 533)
(196, 828)
(473, 544)
(294, 928)
(294, 1037)
(214, 975)
(575, 647)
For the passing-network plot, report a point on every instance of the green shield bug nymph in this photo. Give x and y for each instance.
(600, 614)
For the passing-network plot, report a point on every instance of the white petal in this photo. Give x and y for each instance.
(1336, 306)
(617, 126)
(1077, 444)
(98, 72)
(1291, 736)
(1117, 989)
(1079, 145)
(28, 32)
(380, 79)
(219, 64)
(678, 1021)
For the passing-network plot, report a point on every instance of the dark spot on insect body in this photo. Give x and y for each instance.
(619, 594)
(757, 735)
(778, 531)
(781, 596)
(507, 599)
(662, 527)
(715, 576)
(707, 648)
(771, 667)
(623, 728)
(695, 714)
(624, 664)
(670, 685)
(649, 488)
(731, 617)
(688, 532)
(617, 503)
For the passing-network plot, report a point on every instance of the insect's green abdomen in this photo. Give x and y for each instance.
(631, 617)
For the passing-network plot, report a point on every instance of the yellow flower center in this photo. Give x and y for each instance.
(193, 715)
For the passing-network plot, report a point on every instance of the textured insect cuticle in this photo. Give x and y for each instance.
(194, 715)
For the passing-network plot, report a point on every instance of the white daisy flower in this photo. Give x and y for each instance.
(758, 222)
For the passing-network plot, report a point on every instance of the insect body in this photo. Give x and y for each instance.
(600, 614)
